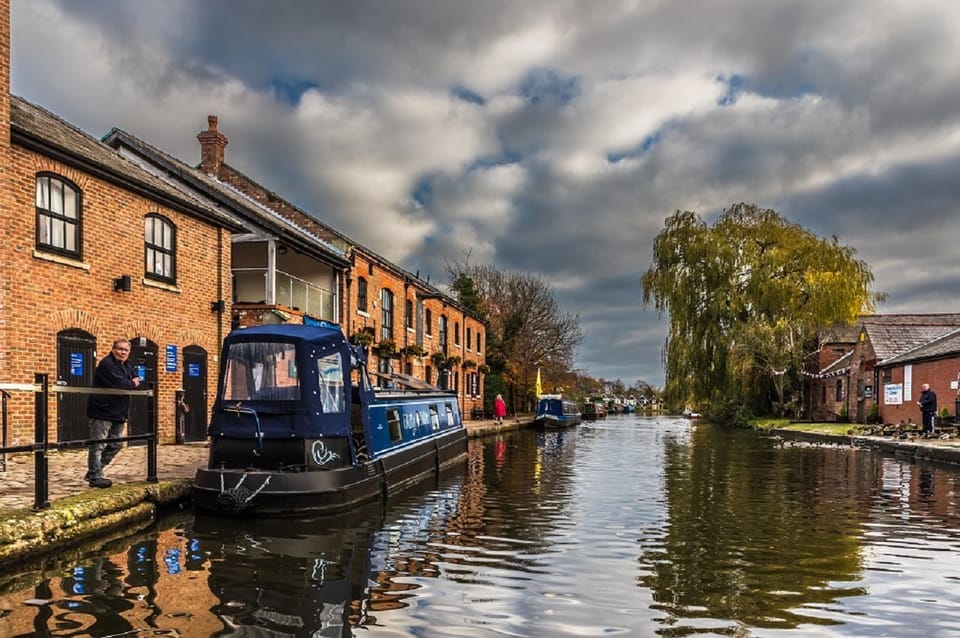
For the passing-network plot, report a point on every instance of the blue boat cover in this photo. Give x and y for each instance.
(286, 381)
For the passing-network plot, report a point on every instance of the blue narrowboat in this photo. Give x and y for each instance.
(553, 411)
(298, 428)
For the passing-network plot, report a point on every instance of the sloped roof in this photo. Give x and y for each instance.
(891, 335)
(948, 344)
(40, 130)
(840, 366)
(252, 212)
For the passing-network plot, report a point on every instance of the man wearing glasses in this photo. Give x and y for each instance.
(108, 412)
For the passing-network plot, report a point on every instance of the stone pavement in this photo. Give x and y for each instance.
(66, 468)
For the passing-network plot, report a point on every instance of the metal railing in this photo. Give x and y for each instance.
(41, 444)
(250, 286)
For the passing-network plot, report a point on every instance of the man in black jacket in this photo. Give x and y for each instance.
(108, 412)
(928, 408)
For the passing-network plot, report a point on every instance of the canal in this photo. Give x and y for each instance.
(628, 526)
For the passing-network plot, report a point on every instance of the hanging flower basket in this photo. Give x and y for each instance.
(363, 339)
(438, 359)
(413, 351)
(386, 348)
(469, 363)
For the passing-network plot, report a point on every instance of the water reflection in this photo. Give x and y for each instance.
(627, 526)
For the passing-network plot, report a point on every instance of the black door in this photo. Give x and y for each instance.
(143, 357)
(194, 408)
(75, 366)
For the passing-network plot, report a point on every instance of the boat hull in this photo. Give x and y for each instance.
(259, 492)
(551, 422)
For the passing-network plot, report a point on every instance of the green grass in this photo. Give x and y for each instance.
(786, 424)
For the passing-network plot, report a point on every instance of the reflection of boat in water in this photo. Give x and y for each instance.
(553, 411)
(319, 576)
(291, 433)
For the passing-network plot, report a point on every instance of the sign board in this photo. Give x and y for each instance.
(76, 364)
(171, 358)
(893, 394)
(193, 369)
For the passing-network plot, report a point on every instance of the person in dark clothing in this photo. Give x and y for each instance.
(928, 408)
(108, 412)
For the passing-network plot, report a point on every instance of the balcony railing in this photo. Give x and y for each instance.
(250, 286)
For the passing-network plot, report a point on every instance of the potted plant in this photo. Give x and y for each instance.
(874, 416)
(386, 348)
(361, 338)
(451, 361)
(413, 350)
(945, 418)
(842, 415)
(469, 363)
(483, 368)
(438, 359)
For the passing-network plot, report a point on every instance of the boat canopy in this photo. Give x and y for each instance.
(287, 381)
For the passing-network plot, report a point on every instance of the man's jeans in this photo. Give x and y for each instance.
(100, 454)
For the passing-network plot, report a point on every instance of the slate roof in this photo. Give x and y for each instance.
(892, 335)
(254, 215)
(948, 344)
(40, 130)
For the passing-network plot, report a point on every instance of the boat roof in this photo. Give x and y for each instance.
(323, 332)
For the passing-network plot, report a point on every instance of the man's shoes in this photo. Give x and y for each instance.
(101, 482)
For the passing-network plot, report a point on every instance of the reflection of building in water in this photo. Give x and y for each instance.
(921, 486)
(146, 588)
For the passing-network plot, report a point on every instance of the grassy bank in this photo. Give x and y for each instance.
(766, 424)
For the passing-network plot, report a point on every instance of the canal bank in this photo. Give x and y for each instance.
(79, 515)
(913, 448)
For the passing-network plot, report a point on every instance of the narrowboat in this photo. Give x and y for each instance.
(297, 427)
(553, 411)
(594, 409)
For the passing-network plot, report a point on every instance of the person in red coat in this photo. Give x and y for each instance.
(499, 409)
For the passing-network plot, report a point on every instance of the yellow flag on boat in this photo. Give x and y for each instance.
(539, 388)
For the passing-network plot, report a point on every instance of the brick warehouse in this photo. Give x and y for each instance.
(69, 291)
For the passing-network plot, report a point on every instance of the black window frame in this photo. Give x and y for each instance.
(42, 214)
(361, 294)
(151, 248)
(386, 313)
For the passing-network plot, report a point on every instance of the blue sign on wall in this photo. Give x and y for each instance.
(76, 364)
(193, 369)
(142, 372)
(171, 358)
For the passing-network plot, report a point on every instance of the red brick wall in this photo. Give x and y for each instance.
(938, 373)
(4, 152)
(45, 296)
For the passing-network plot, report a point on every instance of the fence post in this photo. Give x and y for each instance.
(40, 466)
(152, 442)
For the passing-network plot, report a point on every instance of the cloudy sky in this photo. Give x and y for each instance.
(550, 137)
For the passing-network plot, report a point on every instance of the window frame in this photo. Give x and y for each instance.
(42, 214)
(362, 299)
(386, 313)
(163, 223)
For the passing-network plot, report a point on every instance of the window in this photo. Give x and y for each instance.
(386, 313)
(58, 215)
(478, 342)
(261, 372)
(428, 320)
(361, 294)
(330, 382)
(469, 338)
(456, 333)
(160, 244)
(393, 425)
(839, 390)
(442, 335)
(408, 313)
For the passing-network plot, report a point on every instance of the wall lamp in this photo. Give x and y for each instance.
(122, 284)
(218, 306)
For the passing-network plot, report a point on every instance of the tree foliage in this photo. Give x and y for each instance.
(746, 299)
(526, 327)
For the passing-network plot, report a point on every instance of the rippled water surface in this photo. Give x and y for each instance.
(628, 526)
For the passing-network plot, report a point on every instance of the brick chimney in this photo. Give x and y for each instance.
(212, 145)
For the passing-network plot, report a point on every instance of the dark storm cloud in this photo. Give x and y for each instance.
(551, 137)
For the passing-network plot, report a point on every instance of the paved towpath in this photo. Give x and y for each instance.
(66, 468)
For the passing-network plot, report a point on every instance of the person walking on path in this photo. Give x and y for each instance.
(499, 409)
(928, 408)
(108, 412)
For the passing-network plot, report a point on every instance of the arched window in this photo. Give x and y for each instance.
(58, 215)
(160, 248)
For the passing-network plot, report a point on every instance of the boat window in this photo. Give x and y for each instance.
(261, 372)
(434, 416)
(451, 418)
(330, 380)
(393, 423)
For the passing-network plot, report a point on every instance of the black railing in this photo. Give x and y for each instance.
(41, 444)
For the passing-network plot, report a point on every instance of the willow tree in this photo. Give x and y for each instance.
(746, 299)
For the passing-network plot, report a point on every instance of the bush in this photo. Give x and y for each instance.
(730, 413)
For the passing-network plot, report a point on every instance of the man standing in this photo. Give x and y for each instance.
(108, 412)
(928, 408)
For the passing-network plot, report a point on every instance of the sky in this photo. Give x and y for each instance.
(545, 137)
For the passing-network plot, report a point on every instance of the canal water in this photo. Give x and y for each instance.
(628, 526)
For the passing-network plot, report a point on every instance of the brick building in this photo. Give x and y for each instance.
(866, 363)
(97, 248)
